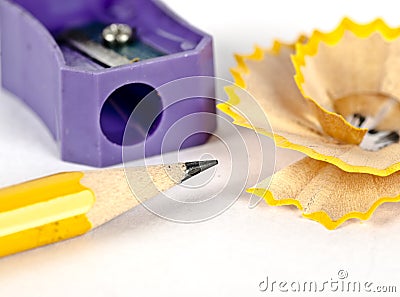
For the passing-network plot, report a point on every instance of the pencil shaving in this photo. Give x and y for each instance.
(353, 70)
(327, 194)
(335, 97)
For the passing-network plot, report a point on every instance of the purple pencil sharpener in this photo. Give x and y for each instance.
(85, 66)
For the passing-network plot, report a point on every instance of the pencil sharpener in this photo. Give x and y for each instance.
(83, 67)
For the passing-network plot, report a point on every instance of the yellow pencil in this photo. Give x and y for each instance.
(65, 205)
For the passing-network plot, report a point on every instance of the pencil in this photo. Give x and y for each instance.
(69, 204)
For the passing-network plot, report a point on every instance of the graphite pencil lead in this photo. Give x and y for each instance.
(194, 168)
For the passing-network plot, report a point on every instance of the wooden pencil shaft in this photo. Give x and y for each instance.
(69, 204)
(113, 192)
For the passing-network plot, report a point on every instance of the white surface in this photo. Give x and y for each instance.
(139, 254)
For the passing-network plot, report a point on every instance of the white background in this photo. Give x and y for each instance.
(139, 254)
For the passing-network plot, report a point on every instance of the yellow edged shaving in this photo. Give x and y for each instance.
(329, 203)
(334, 124)
(321, 217)
(280, 141)
(284, 143)
(237, 73)
(242, 70)
(323, 192)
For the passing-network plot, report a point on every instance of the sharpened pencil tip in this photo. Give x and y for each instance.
(194, 168)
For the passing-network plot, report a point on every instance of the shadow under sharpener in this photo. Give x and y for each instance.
(85, 102)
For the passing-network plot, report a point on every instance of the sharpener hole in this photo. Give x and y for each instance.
(119, 106)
